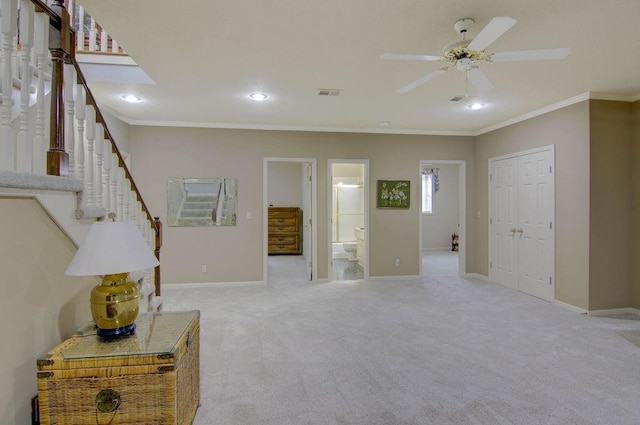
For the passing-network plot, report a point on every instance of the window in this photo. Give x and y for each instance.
(427, 193)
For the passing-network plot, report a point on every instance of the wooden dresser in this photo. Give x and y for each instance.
(285, 225)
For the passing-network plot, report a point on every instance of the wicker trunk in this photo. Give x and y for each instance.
(152, 377)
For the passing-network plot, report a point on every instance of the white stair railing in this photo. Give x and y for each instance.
(90, 36)
(26, 93)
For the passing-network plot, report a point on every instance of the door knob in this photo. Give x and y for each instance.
(513, 230)
(520, 230)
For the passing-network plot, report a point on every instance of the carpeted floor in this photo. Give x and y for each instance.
(433, 350)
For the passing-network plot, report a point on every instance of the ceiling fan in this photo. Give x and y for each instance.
(465, 55)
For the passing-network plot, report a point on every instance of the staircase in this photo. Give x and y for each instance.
(196, 208)
(53, 137)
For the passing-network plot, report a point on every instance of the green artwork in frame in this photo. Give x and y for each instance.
(394, 193)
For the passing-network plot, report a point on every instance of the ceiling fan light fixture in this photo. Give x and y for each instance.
(476, 105)
(464, 64)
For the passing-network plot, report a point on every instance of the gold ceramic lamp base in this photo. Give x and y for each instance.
(114, 305)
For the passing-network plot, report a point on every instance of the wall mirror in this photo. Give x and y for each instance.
(197, 202)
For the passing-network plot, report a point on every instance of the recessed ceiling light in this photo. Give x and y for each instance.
(131, 98)
(384, 123)
(258, 96)
(476, 105)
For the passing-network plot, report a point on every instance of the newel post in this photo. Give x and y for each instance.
(61, 46)
(158, 245)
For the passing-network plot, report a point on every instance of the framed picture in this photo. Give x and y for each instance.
(394, 194)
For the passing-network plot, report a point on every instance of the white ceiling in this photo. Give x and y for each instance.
(205, 57)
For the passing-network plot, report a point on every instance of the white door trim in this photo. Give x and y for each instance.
(462, 193)
(367, 200)
(265, 210)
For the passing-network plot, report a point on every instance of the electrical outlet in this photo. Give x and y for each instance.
(204, 268)
(397, 261)
(249, 215)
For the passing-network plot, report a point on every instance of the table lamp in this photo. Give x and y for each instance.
(112, 249)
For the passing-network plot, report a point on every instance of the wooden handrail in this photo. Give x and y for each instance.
(54, 20)
(114, 147)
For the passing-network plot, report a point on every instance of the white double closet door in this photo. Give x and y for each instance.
(521, 222)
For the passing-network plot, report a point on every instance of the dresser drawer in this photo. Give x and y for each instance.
(276, 247)
(283, 225)
(283, 238)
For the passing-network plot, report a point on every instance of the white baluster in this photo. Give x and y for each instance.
(114, 186)
(80, 29)
(114, 46)
(134, 209)
(41, 44)
(7, 26)
(139, 220)
(104, 40)
(70, 105)
(15, 60)
(92, 35)
(106, 171)
(145, 230)
(81, 108)
(126, 198)
(89, 173)
(133, 206)
(71, 9)
(99, 148)
(24, 153)
(121, 191)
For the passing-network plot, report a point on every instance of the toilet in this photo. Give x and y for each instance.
(351, 249)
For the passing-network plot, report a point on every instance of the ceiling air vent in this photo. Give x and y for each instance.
(329, 92)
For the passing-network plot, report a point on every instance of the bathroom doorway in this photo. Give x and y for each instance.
(442, 218)
(348, 219)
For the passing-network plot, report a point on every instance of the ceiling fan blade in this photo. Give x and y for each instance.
(479, 80)
(420, 81)
(494, 29)
(531, 55)
(400, 56)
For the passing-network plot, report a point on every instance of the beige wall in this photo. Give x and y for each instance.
(635, 203)
(284, 188)
(119, 131)
(610, 205)
(568, 130)
(235, 254)
(40, 305)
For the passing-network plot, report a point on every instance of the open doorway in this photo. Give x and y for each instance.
(289, 211)
(442, 218)
(348, 219)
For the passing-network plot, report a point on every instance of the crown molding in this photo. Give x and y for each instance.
(270, 127)
(419, 132)
(550, 108)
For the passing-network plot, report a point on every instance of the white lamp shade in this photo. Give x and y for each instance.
(112, 247)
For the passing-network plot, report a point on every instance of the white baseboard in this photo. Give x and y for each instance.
(178, 286)
(570, 307)
(401, 277)
(614, 312)
(476, 276)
